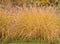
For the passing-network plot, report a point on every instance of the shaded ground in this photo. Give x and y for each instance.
(20, 41)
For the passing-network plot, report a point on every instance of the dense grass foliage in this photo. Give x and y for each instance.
(29, 23)
(28, 2)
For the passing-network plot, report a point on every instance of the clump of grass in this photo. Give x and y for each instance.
(33, 23)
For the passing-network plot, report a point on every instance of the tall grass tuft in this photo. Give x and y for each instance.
(29, 23)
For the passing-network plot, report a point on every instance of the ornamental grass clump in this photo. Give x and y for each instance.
(30, 23)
